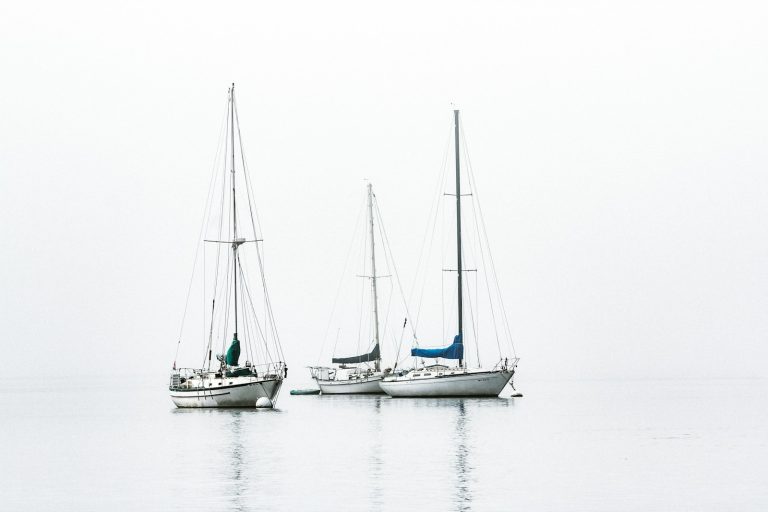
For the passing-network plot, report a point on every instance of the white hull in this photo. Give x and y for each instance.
(369, 385)
(236, 395)
(469, 383)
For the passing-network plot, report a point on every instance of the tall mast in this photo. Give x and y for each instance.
(458, 229)
(373, 274)
(234, 198)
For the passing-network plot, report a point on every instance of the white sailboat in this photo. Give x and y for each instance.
(354, 375)
(226, 382)
(439, 380)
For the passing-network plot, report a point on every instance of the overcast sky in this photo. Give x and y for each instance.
(620, 148)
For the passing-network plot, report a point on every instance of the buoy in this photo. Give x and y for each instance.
(263, 403)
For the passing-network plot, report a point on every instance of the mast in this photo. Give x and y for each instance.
(458, 229)
(373, 275)
(234, 198)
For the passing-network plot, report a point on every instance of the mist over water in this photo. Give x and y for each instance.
(620, 151)
(83, 444)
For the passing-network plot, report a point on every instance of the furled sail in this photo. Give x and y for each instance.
(453, 351)
(371, 356)
(233, 353)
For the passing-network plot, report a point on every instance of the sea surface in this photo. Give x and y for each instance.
(119, 444)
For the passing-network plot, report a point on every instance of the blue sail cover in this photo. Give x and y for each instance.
(453, 351)
(371, 356)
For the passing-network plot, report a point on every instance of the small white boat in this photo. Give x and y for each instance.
(233, 303)
(348, 381)
(348, 378)
(438, 380)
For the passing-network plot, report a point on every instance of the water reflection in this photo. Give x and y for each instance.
(237, 458)
(378, 435)
(461, 464)
(374, 459)
(459, 413)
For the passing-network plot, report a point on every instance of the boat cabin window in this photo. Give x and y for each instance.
(427, 374)
(417, 375)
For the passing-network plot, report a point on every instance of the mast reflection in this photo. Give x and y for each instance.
(461, 464)
(237, 460)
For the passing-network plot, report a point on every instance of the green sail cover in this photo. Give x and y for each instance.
(233, 353)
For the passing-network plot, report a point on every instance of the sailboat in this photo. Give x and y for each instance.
(439, 380)
(228, 381)
(349, 377)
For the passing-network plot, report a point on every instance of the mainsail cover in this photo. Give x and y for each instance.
(453, 351)
(233, 353)
(371, 356)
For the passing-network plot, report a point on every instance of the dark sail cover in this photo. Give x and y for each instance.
(453, 351)
(233, 354)
(371, 356)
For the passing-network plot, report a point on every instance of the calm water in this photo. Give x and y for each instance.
(75, 444)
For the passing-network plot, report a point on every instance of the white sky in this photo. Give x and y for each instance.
(620, 148)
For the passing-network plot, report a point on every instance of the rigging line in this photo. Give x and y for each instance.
(488, 244)
(258, 350)
(199, 237)
(256, 226)
(243, 286)
(362, 295)
(249, 321)
(390, 264)
(230, 264)
(437, 215)
(205, 323)
(442, 275)
(227, 301)
(431, 221)
(245, 278)
(261, 332)
(399, 345)
(485, 266)
(473, 312)
(224, 190)
(388, 248)
(341, 280)
(268, 306)
(254, 222)
(246, 342)
(222, 143)
(385, 330)
(477, 328)
(338, 331)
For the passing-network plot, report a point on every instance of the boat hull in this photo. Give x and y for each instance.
(367, 386)
(472, 384)
(239, 395)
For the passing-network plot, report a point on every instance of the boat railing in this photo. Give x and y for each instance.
(181, 375)
(321, 372)
(506, 362)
